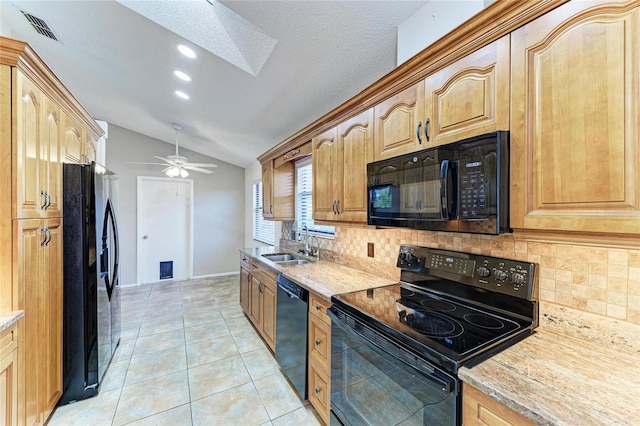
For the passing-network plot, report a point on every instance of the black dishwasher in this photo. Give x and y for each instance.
(291, 333)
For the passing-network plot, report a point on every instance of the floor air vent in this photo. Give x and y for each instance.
(40, 25)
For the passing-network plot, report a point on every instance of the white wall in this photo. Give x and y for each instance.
(253, 174)
(432, 21)
(219, 203)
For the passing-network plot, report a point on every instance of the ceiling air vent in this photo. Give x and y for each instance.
(40, 25)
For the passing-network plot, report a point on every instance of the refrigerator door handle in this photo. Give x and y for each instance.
(104, 272)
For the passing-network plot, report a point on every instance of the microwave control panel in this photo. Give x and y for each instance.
(475, 199)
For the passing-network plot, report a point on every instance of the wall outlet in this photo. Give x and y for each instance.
(370, 251)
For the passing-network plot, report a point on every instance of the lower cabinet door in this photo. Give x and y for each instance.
(319, 389)
(244, 290)
(479, 409)
(269, 315)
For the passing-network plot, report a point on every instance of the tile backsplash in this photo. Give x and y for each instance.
(599, 280)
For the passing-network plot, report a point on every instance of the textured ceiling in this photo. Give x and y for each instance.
(265, 69)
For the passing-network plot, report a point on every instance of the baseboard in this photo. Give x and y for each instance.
(222, 274)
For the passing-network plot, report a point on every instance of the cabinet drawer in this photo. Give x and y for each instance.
(318, 306)
(8, 340)
(319, 390)
(320, 342)
(479, 409)
(245, 262)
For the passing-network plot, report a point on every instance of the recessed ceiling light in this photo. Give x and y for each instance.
(187, 51)
(181, 94)
(182, 76)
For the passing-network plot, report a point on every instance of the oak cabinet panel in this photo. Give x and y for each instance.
(268, 308)
(324, 164)
(574, 134)
(397, 121)
(469, 97)
(340, 157)
(244, 290)
(278, 191)
(479, 409)
(255, 290)
(9, 376)
(38, 256)
(74, 141)
(319, 362)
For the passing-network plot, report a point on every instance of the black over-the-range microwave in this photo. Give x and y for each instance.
(457, 187)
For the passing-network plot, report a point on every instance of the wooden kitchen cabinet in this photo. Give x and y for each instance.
(319, 349)
(469, 97)
(396, 123)
(278, 191)
(340, 158)
(9, 376)
(74, 141)
(479, 409)
(258, 298)
(35, 109)
(38, 255)
(575, 163)
(38, 177)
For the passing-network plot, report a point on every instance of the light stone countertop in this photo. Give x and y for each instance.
(577, 368)
(321, 277)
(556, 379)
(7, 319)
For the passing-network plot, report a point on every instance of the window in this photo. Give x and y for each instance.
(304, 209)
(263, 230)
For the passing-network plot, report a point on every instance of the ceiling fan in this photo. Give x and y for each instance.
(177, 165)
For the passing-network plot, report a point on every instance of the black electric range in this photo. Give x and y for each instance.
(449, 309)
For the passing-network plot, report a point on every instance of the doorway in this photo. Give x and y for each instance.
(164, 229)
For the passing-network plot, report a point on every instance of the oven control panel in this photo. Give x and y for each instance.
(506, 276)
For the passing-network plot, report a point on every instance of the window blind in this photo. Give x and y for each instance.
(304, 207)
(263, 230)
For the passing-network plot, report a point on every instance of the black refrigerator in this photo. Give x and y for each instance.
(91, 316)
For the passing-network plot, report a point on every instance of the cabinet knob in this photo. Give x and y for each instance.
(318, 307)
(318, 342)
(318, 390)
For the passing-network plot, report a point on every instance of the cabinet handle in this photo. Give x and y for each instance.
(318, 342)
(44, 236)
(48, 200)
(318, 390)
(260, 287)
(337, 206)
(426, 128)
(43, 193)
(418, 132)
(333, 206)
(50, 236)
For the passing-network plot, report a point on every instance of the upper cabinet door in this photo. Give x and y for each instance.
(28, 119)
(267, 190)
(398, 125)
(574, 129)
(324, 163)
(355, 143)
(51, 160)
(469, 97)
(73, 141)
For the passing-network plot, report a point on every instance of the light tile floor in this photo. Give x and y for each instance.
(189, 356)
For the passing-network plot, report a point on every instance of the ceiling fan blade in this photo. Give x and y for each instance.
(165, 159)
(197, 169)
(203, 164)
(152, 164)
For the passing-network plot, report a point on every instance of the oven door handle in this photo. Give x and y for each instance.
(444, 193)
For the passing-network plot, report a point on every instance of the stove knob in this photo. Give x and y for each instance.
(403, 256)
(500, 275)
(483, 271)
(517, 279)
(410, 257)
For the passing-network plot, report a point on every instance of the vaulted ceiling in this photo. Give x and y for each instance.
(264, 69)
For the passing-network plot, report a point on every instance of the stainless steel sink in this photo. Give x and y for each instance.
(293, 262)
(284, 257)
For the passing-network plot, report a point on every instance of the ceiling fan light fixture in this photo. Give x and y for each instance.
(173, 171)
(183, 173)
(182, 75)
